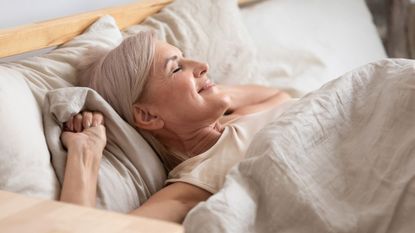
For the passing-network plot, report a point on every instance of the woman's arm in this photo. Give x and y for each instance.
(173, 202)
(80, 180)
(269, 103)
(252, 98)
(85, 139)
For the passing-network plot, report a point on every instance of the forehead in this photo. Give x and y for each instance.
(165, 50)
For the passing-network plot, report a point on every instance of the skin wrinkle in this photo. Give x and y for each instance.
(190, 134)
(178, 111)
(196, 142)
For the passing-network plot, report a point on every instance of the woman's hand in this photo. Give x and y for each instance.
(84, 137)
(85, 130)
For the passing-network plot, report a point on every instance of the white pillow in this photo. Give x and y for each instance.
(24, 158)
(58, 68)
(126, 179)
(211, 31)
(25, 165)
(303, 44)
(130, 171)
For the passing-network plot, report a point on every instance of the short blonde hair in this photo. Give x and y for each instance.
(120, 76)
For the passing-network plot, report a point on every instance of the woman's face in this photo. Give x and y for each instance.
(179, 91)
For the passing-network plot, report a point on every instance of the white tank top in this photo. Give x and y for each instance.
(208, 170)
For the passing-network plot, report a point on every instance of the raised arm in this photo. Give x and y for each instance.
(85, 139)
(173, 202)
(252, 98)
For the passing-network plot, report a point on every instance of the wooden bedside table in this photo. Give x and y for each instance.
(19, 213)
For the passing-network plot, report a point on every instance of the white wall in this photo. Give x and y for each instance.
(18, 12)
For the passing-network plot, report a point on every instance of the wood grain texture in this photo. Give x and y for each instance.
(19, 213)
(58, 31)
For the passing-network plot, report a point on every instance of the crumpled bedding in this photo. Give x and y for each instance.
(130, 171)
(341, 159)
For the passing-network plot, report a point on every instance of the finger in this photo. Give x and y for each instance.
(101, 130)
(77, 123)
(69, 124)
(64, 138)
(86, 119)
(97, 119)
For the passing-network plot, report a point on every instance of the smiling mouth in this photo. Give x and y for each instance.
(207, 86)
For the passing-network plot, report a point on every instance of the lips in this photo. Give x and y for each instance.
(206, 85)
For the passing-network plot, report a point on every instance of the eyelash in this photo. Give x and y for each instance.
(177, 69)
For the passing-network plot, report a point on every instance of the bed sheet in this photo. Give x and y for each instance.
(130, 171)
(341, 159)
(303, 44)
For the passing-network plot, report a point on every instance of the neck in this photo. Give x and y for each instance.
(190, 142)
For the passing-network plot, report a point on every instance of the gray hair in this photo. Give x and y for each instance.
(125, 69)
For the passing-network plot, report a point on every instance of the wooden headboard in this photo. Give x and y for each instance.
(58, 31)
(400, 41)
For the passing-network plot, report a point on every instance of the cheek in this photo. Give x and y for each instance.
(208, 107)
(178, 94)
(179, 101)
(183, 89)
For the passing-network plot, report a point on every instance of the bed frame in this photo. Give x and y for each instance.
(58, 31)
(399, 41)
(55, 32)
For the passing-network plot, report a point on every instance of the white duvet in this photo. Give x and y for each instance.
(341, 159)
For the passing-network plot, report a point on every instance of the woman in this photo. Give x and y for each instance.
(169, 99)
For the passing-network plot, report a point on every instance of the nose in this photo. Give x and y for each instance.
(200, 69)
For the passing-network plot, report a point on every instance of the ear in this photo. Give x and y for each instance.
(145, 120)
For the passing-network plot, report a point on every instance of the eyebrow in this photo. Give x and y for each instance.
(172, 58)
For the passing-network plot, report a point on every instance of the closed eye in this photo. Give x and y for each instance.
(177, 69)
